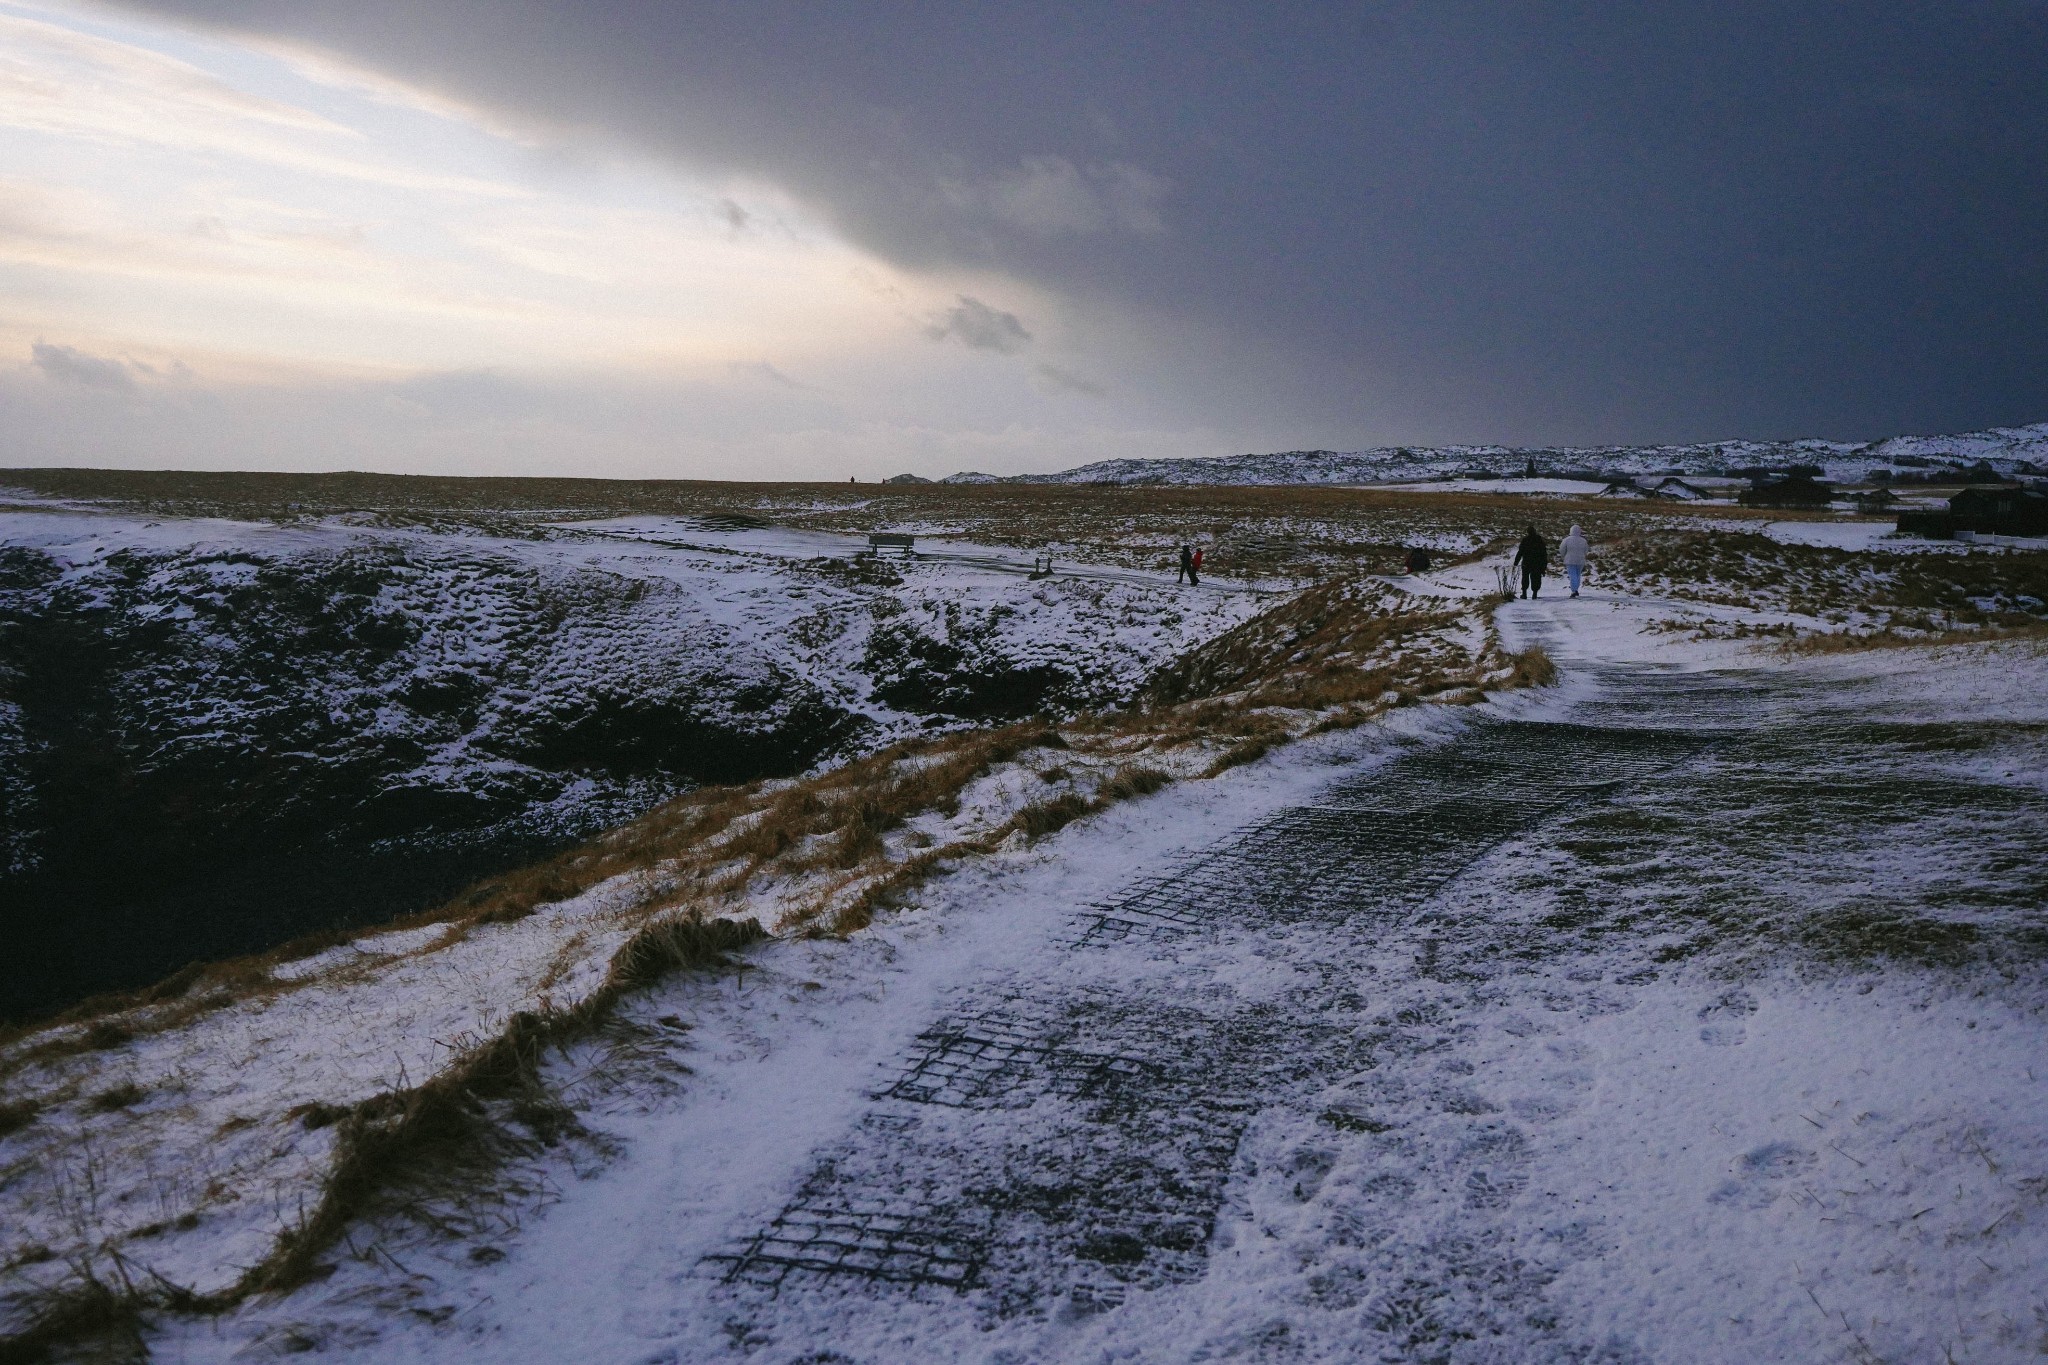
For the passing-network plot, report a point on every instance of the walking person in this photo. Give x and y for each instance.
(1187, 565)
(1195, 566)
(1573, 550)
(1532, 557)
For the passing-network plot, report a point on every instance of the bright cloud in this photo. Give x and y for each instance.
(213, 252)
(169, 193)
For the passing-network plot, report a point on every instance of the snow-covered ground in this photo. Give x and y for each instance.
(1688, 1010)
(2008, 449)
(290, 725)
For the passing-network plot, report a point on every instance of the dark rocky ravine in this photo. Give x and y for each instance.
(210, 750)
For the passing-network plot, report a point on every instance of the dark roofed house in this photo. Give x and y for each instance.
(1797, 489)
(1877, 500)
(2007, 510)
(1675, 487)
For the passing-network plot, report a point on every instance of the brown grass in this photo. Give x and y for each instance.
(1896, 592)
(1844, 642)
(446, 1129)
(1533, 668)
(1041, 818)
(1293, 531)
(16, 1115)
(120, 1097)
(95, 1320)
(1131, 782)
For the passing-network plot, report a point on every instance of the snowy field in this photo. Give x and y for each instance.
(1687, 1009)
(1710, 1030)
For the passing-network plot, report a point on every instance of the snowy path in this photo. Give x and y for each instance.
(1198, 1056)
(1412, 1064)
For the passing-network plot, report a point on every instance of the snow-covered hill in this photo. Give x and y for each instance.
(215, 735)
(2007, 449)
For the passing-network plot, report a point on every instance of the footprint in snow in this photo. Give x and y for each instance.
(1721, 1021)
(1758, 1173)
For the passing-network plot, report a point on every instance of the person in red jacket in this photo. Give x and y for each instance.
(1195, 566)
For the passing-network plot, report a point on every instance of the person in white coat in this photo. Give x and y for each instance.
(1573, 549)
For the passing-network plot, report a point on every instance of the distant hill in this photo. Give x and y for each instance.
(2022, 450)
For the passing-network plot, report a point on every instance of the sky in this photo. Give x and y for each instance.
(659, 238)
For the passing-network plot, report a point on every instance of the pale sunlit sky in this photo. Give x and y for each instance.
(236, 254)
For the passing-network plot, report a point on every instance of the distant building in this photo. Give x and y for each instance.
(1877, 500)
(2008, 510)
(1795, 489)
(1686, 490)
(2004, 511)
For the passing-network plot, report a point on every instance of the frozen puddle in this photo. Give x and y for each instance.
(1652, 1023)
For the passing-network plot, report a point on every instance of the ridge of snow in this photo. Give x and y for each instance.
(2003, 447)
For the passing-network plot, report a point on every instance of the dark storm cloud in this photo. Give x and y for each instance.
(1567, 221)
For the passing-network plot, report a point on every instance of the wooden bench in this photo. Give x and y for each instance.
(891, 540)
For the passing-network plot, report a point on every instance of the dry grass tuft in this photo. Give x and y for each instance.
(1533, 668)
(1237, 755)
(674, 945)
(1132, 782)
(120, 1097)
(107, 1035)
(16, 1115)
(91, 1320)
(311, 1116)
(1041, 818)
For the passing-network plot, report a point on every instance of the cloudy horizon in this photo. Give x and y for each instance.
(682, 241)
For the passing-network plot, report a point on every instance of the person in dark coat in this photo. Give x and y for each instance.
(1187, 565)
(1532, 557)
(1418, 560)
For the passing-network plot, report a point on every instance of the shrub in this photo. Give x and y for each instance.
(1041, 818)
